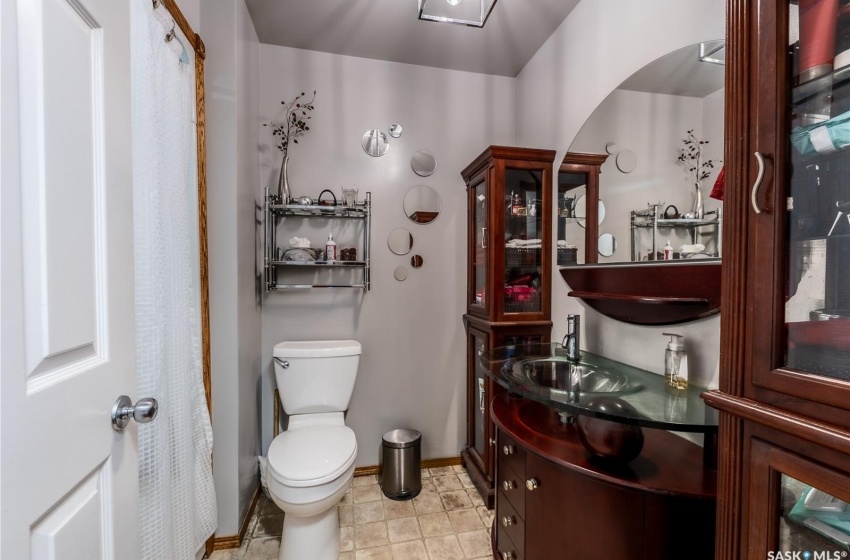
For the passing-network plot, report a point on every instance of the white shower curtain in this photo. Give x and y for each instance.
(176, 496)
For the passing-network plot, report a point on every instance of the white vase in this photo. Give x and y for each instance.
(283, 194)
(699, 208)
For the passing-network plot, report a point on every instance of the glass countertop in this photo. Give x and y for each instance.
(543, 373)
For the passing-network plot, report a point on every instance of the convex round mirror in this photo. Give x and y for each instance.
(400, 241)
(607, 244)
(374, 142)
(423, 163)
(400, 273)
(396, 130)
(581, 210)
(416, 261)
(422, 204)
(626, 161)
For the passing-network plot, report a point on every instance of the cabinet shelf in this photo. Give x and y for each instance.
(820, 85)
(275, 212)
(651, 219)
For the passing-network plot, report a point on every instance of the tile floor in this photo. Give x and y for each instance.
(446, 521)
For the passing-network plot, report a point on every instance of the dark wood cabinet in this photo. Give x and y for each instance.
(784, 392)
(509, 248)
(553, 502)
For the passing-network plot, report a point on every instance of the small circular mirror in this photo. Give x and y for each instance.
(607, 244)
(581, 210)
(416, 261)
(422, 204)
(374, 142)
(400, 273)
(400, 241)
(396, 130)
(626, 161)
(423, 163)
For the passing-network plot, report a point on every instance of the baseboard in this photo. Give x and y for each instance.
(426, 464)
(235, 541)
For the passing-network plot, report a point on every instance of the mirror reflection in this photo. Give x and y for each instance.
(423, 163)
(416, 261)
(422, 204)
(670, 108)
(607, 245)
(400, 241)
(374, 142)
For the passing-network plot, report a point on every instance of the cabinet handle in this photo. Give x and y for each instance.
(507, 555)
(492, 442)
(508, 449)
(757, 185)
(532, 484)
(484, 238)
(509, 485)
(508, 520)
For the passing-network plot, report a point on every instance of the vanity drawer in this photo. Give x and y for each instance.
(507, 550)
(511, 455)
(512, 489)
(511, 523)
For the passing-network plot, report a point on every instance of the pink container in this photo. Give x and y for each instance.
(818, 19)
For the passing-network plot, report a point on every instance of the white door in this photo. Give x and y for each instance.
(68, 482)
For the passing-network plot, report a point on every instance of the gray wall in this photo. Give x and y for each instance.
(233, 192)
(412, 369)
(600, 44)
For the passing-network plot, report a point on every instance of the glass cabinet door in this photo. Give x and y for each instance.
(481, 398)
(806, 224)
(480, 223)
(523, 243)
(811, 520)
(569, 225)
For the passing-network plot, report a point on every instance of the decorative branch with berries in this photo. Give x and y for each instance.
(296, 115)
(690, 156)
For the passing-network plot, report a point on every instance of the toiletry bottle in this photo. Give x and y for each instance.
(330, 248)
(676, 362)
(668, 251)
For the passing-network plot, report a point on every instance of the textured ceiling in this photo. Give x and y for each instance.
(390, 30)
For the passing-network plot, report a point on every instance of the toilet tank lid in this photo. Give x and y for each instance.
(316, 348)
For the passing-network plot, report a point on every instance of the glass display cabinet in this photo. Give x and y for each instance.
(509, 250)
(785, 318)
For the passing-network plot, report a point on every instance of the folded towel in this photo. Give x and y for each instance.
(696, 248)
(523, 242)
(300, 242)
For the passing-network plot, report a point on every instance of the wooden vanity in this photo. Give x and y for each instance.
(554, 503)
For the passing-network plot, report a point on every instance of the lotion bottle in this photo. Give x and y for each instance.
(668, 251)
(330, 248)
(676, 362)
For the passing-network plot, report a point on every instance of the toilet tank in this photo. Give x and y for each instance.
(316, 375)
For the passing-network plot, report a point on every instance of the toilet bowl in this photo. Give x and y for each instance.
(311, 464)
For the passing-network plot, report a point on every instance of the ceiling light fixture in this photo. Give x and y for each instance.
(472, 13)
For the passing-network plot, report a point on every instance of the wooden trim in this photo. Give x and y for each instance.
(507, 153)
(579, 158)
(183, 24)
(235, 541)
(426, 464)
(590, 165)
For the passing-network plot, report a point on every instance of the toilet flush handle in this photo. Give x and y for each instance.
(283, 363)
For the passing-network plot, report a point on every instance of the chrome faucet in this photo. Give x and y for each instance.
(573, 337)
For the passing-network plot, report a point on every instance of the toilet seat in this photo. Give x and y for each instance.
(312, 455)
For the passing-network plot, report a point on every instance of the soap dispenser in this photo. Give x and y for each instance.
(668, 251)
(676, 362)
(330, 248)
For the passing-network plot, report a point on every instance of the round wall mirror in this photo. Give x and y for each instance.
(400, 273)
(581, 210)
(374, 142)
(396, 130)
(607, 244)
(423, 163)
(422, 204)
(416, 261)
(400, 241)
(626, 161)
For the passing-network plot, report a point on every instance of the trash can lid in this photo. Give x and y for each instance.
(401, 438)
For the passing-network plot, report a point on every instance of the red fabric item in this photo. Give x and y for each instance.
(719, 184)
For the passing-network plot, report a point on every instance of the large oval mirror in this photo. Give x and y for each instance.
(422, 204)
(662, 111)
(400, 241)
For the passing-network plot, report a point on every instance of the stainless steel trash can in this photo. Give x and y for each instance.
(401, 456)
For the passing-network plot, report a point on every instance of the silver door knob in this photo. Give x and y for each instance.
(507, 521)
(509, 485)
(508, 450)
(532, 484)
(123, 409)
(508, 556)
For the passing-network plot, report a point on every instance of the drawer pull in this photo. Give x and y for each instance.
(532, 484)
(509, 485)
(508, 520)
(757, 185)
(508, 555)
(509, 449)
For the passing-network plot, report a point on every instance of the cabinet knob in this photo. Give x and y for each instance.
(507, 521)
(509, 449)
(509, 485)
(492, 442)
(532, 484)
(508, 555)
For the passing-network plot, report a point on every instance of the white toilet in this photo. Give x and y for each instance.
(312, 463)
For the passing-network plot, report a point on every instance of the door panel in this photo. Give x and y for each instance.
(67, 281)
